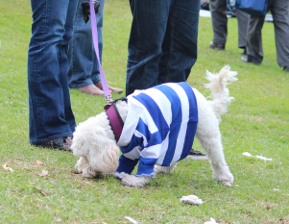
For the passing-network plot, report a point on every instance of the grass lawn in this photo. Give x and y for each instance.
(257, 122)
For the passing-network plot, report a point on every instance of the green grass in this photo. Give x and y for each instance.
(257, 122)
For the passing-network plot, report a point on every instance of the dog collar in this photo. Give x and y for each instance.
(115, 120)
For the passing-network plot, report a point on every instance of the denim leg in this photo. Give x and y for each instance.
(71, 11)
(69, 117)
(83, 68)
(148, 30)
(95, 75)
(179, 48)
(50, 115)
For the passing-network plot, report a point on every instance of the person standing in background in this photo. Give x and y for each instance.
(163, 44)
(218, 10)
(83, 73)
(51, 120)
(280, 13)
(243, 23)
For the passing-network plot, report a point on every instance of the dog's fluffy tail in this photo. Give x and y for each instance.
(219, 91)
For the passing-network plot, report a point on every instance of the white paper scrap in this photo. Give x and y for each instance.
(43, 173)
(212, 221)
(264, 158)
(131, 220)
(258, 157)
(247, 154)
(7, 168)
(192, 199)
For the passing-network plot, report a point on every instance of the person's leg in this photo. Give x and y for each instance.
(46, 85)
(69, 22)
(254, 40)
(243, 22)
(280, 12)
(99, 21)
(218, 10)
(80, 55)
(179, 48)
(145, 44)
(69, 117)
(95, 76)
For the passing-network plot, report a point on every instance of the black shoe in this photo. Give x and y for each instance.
(286, 68)
(245, 59)
(217, 46)
(59, 143)
(205, 5)
(231, 14)
(197, 155)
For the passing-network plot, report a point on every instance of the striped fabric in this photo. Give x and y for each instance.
(159, 129)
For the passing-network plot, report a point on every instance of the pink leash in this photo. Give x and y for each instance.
(114, 117)
(107, 94)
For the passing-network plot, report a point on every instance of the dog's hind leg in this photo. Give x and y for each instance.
(209, 136)
(165, 169)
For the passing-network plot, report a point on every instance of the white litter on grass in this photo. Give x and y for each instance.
(131, 220)
(7, 168)
(39, 162)
(212, 221)
(247, 154)
(258, 157)
(43, 173)
(192, 199)
(264, 158)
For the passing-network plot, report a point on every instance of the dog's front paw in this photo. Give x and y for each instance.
(134, 181)
(120, 175)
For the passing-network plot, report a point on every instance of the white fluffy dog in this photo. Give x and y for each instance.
(95, 144)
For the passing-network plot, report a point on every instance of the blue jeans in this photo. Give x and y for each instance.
(83, 65)
(163, 42)
(50, 114)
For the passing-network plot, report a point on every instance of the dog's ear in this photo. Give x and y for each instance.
(110, 159)
(81, 164)
(83, 167)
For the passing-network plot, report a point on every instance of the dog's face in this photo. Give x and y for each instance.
(94, 141)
